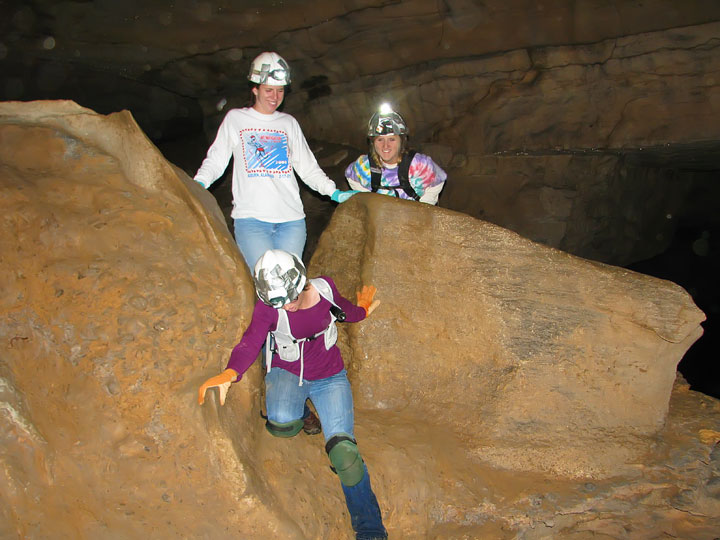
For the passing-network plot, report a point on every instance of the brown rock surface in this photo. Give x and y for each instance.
(552, 354)
(119, 293)
(122, 291)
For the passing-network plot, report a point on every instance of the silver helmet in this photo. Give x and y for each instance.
(279, 277)
(386, 122)
(269, 68)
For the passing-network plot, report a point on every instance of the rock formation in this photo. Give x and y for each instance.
(582, 125)
(546, 355)
(119, 292)
(591, 148)
(491, 365)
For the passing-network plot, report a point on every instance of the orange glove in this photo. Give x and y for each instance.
(222, 381)
(365, 299)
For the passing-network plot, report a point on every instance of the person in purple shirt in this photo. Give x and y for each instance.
(294, 319)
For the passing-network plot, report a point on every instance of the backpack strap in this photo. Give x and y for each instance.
(323, 287)
(375, 175)
(403, 176)
(336, 312)
(282, 327)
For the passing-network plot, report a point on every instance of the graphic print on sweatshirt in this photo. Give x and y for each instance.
(265, 152)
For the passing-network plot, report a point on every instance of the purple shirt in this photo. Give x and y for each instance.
(319, 362)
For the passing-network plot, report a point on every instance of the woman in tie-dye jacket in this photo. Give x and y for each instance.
(399, 172)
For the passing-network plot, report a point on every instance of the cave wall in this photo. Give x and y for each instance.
(537, 140)
(537, 111)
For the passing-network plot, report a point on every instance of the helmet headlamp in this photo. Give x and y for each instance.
(386, 122)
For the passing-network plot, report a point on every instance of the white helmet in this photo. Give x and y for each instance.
(386, 122)
(279, 277)
(269, 68)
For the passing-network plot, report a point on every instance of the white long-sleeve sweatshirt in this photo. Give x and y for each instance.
(266, 149)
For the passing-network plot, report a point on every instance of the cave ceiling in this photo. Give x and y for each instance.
(136, 52)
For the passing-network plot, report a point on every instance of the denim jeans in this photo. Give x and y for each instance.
(364, 510)
(332, 397)
(255, 237)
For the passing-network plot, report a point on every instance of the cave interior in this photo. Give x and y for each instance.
(109, 58)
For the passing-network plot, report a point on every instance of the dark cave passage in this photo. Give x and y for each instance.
(693, 262)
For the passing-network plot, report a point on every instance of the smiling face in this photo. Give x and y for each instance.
(387, 148)
(268, 98)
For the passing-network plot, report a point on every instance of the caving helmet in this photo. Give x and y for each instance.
(279, 277)
(386, 122)
(269, 68)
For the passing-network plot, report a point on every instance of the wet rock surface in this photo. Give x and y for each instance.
(122, 291)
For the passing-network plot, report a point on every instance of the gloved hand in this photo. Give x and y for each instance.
(342, 196)
(365, 299)
(222, 381)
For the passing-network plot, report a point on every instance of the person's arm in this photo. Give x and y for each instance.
(305, 164)
(432, 193)
(428, 174)
(244, 353)
(218, 155)
(355, 177)
(353, 313)
(357, 186)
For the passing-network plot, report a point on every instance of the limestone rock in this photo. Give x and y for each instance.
(121, 291)
(536, 356)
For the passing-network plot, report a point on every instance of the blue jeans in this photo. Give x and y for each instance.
(364, 510)
(332, 397)
(255, 237)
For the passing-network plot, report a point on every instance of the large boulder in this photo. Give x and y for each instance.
(121, 289)
(538, 357)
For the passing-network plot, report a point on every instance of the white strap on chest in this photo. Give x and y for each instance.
(291, 349)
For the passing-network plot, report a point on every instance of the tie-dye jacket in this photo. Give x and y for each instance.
(426, 178)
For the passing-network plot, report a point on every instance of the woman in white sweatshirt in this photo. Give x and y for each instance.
(267, 146)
